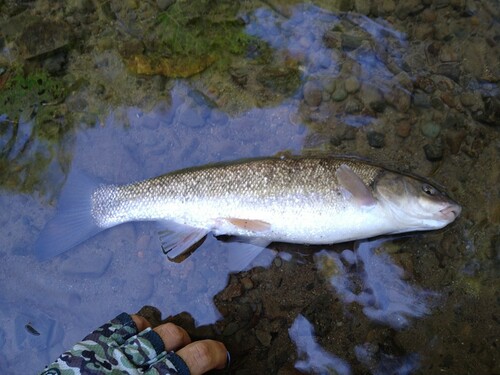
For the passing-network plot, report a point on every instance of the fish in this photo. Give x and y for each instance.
(303, 200)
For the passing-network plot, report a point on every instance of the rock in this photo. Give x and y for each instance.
(450, 70)
(312, 94)
(454, 140)
(264, 337)
(491, 113)
(421, 99)
(329, 84)
(353, 106)
(55, 64)
(387, 7)
(362, 6)
(352, 85)
(164, 4)
(332, 39)
(371, 96)
(403, 129)
(376, 139)
(447, 53)
(434, 151)
(408, 7)
(230, 329)
(43, 37)
(430, 129)
(351, 42)
(247, 283)
(340, 92)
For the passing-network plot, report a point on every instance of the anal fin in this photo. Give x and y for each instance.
(180, 240)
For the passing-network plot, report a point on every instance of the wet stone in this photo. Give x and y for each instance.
(230, 329)
(247, 283)
(408, 7)
(362, 6)
(376, 139)
(430, 129)
(491, 113)
(352, 85)
(43, 37)
(449, 70)
(351, 42)
(403, 129)
(340, 92)
(264, 337)
(434, 151)
(421, 99)
(312, 94)
(372, 98)
(332, 39)
(353, 106)
(454, 140)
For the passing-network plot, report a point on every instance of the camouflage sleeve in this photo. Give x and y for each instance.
(117, 348)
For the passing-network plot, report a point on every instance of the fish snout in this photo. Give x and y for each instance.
(451, 212)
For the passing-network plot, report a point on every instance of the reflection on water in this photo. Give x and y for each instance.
(316, 360)
(376, 283)
(416, 86)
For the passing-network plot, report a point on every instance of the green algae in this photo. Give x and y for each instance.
(33, 120)
(33, 95)
(192, 36)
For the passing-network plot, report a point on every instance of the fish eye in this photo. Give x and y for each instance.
(429, 190)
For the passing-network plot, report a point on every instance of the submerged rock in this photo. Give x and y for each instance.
(43, 37)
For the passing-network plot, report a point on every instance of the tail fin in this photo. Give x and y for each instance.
(73, 223)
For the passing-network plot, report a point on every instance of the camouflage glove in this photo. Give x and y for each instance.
(118, 348)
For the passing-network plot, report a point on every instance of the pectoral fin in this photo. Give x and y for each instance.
(353, 188)
(250, 225)
(178, 240)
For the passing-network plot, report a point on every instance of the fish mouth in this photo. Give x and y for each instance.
(451, 212)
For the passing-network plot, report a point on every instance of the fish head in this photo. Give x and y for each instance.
(415, 204)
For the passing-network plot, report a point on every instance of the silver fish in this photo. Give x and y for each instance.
(295, 200)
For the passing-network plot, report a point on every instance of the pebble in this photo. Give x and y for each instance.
(434, 151)
(454, 140)
(264, 337)
(407, 7)
(312, 94)
(387, 7)
(351, 42)
(421, 99)
(164, 4)
(468, 98)
(247, 283)
(430, 129)
(403, 129)
(230, 329)
(376, 139)
(352, 85)
(278, 262)
(362, 6)
(353, 106)
(450, 70)
(329, 84)
(372, 98)
(340, 92)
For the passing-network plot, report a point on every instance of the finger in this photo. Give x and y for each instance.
(205, 355)
(173, 336)
(141, 322)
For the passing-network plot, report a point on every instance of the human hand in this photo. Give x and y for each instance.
(128, 344)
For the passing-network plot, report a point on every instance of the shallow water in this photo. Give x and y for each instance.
(413, 86)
